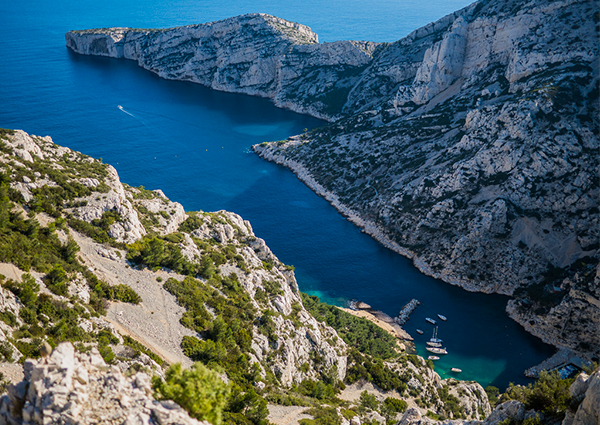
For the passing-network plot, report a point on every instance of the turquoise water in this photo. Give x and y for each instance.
(193, 144)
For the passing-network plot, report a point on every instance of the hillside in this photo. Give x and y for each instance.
(479, 159)
(124, 283)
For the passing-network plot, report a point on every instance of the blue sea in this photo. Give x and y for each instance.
(194, 143)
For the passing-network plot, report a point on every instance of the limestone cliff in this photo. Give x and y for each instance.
(478, 157)
(256, 54)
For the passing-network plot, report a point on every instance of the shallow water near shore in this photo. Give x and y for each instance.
(193, 143)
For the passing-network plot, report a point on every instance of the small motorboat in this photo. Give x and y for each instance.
(430, 320)
(419, 331)
(433, 358)
(456, 370)
(434, 344)
(437, 350)
(442, 317)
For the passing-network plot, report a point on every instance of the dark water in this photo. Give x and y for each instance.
(193, 144)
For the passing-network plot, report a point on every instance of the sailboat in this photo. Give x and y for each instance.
(435, 344)
(434, 337)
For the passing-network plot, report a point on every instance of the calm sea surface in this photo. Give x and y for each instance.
(194, 145)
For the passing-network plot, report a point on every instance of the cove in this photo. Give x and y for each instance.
(193, 143)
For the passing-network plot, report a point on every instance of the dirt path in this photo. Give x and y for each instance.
(286, 415)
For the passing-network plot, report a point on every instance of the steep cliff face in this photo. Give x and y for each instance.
(477, 157)
(255, 54)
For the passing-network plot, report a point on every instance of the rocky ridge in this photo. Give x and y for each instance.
(80, 388)
(468, 146)
(293, 341)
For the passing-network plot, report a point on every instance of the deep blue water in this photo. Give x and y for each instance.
(193, 144)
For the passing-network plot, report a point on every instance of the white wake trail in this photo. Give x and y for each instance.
(122, 109)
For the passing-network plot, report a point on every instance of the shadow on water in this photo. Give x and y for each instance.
(130, 80)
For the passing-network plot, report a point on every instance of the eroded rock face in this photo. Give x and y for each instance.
(588, 411)
(79, 388)
(471, 147)
(255, 54)
(298, 339)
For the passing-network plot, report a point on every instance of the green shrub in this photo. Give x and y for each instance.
(199, 390)
(549, 394)
(316, 389)
(367, 402)
(395, 405)
(492, 393)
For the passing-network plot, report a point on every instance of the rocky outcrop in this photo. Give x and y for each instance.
(80, 388)
(107, 193)
(255, 54)
(298, 338)
(587, 390)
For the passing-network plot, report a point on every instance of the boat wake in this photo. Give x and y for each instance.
(123, 109)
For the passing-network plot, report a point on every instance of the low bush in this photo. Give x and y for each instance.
(199, 390)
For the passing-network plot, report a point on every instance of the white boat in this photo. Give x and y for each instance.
(419, 331)
(434, 337)
(442, 317)
(433, 358)
(436, 350)
(456, 370)
(434, 344)
(433, 322)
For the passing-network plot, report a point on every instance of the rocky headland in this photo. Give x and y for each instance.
(470, 145)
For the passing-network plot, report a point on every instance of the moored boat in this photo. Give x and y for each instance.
(433, 358)
(436, 350)
(419, 331)
(434, 344)
(434, 337)
(456, 370)
(430, 320)
(442, 317)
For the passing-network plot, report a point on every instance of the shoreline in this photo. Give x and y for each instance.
(373, 230)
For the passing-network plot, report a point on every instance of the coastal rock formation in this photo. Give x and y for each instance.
(255, 54)
(75, 388)
(469, 145)
(477, 158)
